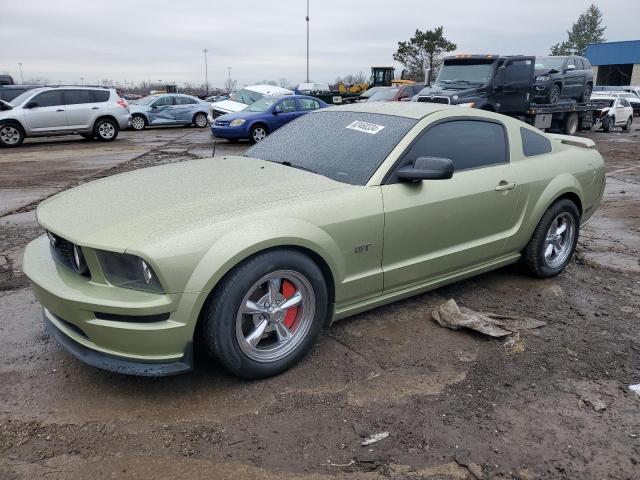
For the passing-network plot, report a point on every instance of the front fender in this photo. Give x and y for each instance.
(238, 245)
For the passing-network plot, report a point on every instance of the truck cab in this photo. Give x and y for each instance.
(488, 82)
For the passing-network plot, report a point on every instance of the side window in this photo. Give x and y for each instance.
(468, 143)
(533, 143)
(75, 97)
(579, 65)
(624, 102)
(185, 101)
(52, 98)
(163, 102)
(287, 106)
(308, 104)
(569, 63)
(100, 95)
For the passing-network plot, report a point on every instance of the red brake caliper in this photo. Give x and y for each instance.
(287, 291)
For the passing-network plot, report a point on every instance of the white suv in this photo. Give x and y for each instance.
(92, 112)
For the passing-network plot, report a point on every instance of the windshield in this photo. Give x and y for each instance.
(246, 96)
(262, 105)
(21, 98)
(384, 94)
(147, 100)
(466, 73)
(345, 146)
(548, 63)
(371, 91)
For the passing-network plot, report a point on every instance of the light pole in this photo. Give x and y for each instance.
(81, 80)
(307, 41)
(21, 77)
(206, 70)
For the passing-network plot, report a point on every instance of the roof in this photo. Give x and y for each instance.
(614, 53)
(269, 89)
(415, 110)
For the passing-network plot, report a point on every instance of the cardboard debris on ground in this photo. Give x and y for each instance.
(635, 388)
(450, 315)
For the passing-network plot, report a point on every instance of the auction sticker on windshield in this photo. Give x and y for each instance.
(365, 127)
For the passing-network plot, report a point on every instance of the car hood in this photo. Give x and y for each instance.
(546, 71)
(442, 91)
(153, 205)
(229, 106)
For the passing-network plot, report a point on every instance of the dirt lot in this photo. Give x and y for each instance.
(457, 405)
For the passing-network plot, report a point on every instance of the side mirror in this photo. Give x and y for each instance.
(427, 168)
(31, 104)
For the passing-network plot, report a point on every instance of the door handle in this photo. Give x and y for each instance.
(95, 108)
(503, 185)
(60, 110)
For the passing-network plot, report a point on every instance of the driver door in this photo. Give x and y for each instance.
(286, 111)
(434, 228)
(48, 114)
(162, 111)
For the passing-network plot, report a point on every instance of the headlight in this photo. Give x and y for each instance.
(128, 271)
(237, 122)
(543, 78)
(467, 105)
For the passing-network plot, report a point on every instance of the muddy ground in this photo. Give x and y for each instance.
(457, 405)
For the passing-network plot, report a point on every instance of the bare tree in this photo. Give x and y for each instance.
(230, 85)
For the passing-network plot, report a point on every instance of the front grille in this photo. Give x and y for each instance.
(215, 113)
(435, 99)
(62, 252)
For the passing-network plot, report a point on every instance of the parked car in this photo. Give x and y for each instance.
(632, 98)
(168, 109)
(251, 256)
(263, 117)
(396, 94)
(558, 77)
(9, 92)
(91, 112)
(615, 112)
(6, 80)
(243, 98)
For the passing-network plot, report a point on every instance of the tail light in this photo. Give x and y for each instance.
(123, 103)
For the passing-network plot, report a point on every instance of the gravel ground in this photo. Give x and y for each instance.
(456, 404)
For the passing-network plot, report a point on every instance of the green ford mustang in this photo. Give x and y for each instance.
(341, 211)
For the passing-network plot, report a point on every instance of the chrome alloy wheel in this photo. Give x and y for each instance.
(201, 120)
(9, 135)
(259, 134)
(559, 240)
(106, 130)
(275, 316)
(137, 123)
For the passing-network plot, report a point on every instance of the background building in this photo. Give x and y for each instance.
(615, 63)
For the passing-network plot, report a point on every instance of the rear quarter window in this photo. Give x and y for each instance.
(534, 143)
(100, 95)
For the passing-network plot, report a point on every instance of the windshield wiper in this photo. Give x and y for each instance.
(299, 167)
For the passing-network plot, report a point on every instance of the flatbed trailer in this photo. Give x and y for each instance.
(566, 117)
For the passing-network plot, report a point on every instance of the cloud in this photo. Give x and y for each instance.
(163, 40)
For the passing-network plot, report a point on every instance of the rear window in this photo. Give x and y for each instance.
(74, 97)
(345, 146)
(100, 95)
(534, 143)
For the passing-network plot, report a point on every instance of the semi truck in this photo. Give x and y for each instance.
(504, 84)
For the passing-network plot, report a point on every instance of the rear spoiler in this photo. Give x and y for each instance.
(574, 141)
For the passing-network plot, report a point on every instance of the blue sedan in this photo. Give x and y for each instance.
(169, 109)
(263, 117)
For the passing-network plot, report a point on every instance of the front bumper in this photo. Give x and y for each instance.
(72, 302)
(124, 121)
(230, 132)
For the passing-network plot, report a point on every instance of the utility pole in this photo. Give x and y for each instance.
(307, 41)
(206, 70)
(81, 80)
(21, 77)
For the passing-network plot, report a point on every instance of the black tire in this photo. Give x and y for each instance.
(570, 123)
(105, 130)
(554, 94)
(138, 122)
(607, 124)
(11, 135)
(627, 126)
(586, 93)
(200, 120)
(534, 253)
(255, 135)
(221, 313)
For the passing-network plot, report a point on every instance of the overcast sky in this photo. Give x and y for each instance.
(64, 40)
